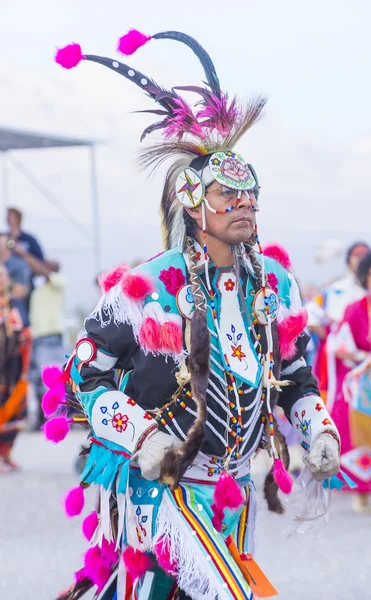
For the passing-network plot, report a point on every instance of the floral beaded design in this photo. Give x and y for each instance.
(304, 424)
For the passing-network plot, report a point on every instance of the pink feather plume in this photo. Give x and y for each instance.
(279, 254)
(108, 280)
(74, 501)
(289, 330)
(56, 429)
(227, 492)
(136, 562)
(217, 114)
(109, 551)
(69, 56)
(184, 121)
(96, 567)
(89, 525)
(282, 478)
(52, 376)
(171, 337)
(51, 400)
(136, 285)
(149, 335)
(131, 41)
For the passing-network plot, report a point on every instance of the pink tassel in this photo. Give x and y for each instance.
(108, 280)
(279, 254)
(69, 56)
(74, 501)
(289, 330)
(51, 401)
(149, 335)
(162, 552)
(96, 567)
(136, 285)
(227, 492)
(51, 376)
(131, 41)
(282, 478)
(171, 337)
(136, 562)
(89, 525)
(56, 429)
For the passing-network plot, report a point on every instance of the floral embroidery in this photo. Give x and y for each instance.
(237, 353)
(236, 348)
(272, 304)
(229, 285)
(319, 406)
(272, 281)
(198, 256)
(147, 416)
(173, 279)
(120, 422)
(304, 424)
(141, 531)
(131, 402)
(326, 422)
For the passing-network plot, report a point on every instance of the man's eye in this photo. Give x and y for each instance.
(228, 193)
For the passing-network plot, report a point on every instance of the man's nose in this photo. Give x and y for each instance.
(244, 201)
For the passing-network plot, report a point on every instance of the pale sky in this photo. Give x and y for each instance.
(312, 151)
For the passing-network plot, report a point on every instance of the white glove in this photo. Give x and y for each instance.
(323, 459)
(150, 456)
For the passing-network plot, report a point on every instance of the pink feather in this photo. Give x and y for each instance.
(149, 335)
(89, 525)
(218, 115)
(162, 553)
(108, 280)
(289, 330)
(51, 400)
(136, 562)
(131, 41)
(282, 478)
(96, 567)
(279, 254)
(136, 285)
(69, 56)
(74, 501)
(51, 376)
(109, 551)
(171, 337)
(184, 121)
(56, 429)
(227, 493)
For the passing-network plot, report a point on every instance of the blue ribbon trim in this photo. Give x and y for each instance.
(335, 482)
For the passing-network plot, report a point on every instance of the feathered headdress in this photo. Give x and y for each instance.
(214, 123)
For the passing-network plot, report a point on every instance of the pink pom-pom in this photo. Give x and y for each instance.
(162, 553)
(108, 280)
(279, 254)
(51, 400)
(74, 501)
(282, 478)
(131, 41)
(136, 285)
(149, 335)
(56, 429)
(171, 337)
(89, 525)
(227, 493)
(109, 551)
(217, 519)
(96, 567)
(289, 330)
(51, 376)
(69, 56)
(136, 562)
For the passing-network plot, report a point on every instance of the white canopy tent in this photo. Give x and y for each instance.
(12, 140)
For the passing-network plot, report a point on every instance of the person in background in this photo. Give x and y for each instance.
(15, 350)
(28, 242)
(46, 318)
(19, 273)
(352, 406)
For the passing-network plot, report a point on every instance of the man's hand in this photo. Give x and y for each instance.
(323, 459)
(150, 456)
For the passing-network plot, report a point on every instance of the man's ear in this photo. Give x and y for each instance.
(195, 213)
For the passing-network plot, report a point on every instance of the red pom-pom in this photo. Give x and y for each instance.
(96, 567)
(149, 335)
(74, 501)
(227, 492)
(136, 562)
(279, 254)
(171, 337)
(89, 525)
(51, 401)
(69, 56)
(282, 478)
(108, 280)
(130, 42)
(56, 429)
(289, 330)
(52, 376)
(136, 285)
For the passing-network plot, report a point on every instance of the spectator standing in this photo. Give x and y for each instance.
(28, 242)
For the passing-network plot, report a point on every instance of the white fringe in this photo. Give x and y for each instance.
(251, 520)
(117, 308)
(195, 577)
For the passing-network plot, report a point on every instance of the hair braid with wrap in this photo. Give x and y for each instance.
(176, 461)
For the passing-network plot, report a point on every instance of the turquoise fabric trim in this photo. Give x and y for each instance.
(102, 467)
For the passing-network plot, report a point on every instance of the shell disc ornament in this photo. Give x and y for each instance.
(265, 303)
(189, 188)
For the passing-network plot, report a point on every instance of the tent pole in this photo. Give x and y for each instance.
(95, 211)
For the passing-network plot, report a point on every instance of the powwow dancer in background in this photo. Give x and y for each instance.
(179, 369)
